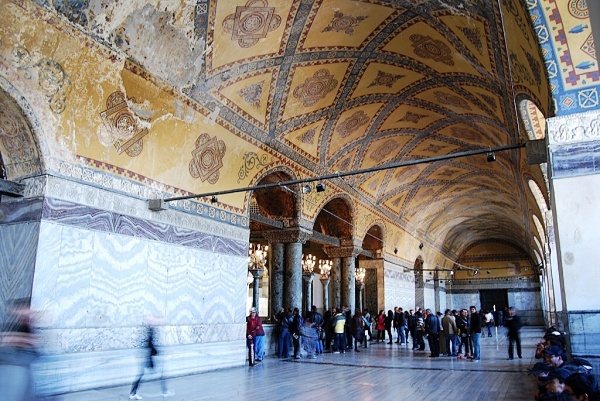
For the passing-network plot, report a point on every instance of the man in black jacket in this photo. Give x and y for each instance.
(513, 324)
(432, 328)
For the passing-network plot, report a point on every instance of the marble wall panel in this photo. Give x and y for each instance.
(18, 247)
(399, 289)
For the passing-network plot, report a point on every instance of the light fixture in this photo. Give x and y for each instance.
(491, 157)
(306, 189)
(476, 272)
(360, 274)
(488, 272)
(395, 251)
(421, 245)
(214, 199)
(320, 187)
(325, 268)
(308, 263)
(257, 256)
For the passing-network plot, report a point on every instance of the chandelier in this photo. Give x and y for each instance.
(325, 268)
(257, 256)
(308, 263)
(360, 274)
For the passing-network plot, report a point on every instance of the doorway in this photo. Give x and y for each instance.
(493, 299)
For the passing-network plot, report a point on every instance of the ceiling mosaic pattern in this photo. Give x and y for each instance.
(341, 85)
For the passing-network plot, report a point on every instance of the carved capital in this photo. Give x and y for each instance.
(288, 235)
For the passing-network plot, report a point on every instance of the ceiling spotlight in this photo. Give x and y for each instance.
(421, 245)
(476, 272)
(320, 187)
(491, 157)
(306, 189)
(214, 199)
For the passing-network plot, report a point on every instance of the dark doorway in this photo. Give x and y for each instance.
(491, 299)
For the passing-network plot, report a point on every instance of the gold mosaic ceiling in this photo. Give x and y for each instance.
(349, 85)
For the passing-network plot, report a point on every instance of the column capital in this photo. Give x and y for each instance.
(342, 251)
(288, 235)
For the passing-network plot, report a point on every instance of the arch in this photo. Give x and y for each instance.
(374, 239)
(278, 203)
(336, 218)
(19, 151)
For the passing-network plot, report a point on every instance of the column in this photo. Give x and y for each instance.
(347, 254)
(307, 279)
(256, 273)
(335, 284)
(325, 281)
(359, 298)
(292, 240)
(277, 276)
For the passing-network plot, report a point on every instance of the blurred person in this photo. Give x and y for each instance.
(255, 335)
(432, 328)
(328, 327)
(310, 337)
(419, 331)
(150, 353)
(513, 325)
(18, 350)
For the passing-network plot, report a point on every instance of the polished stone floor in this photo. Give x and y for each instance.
(382, 372)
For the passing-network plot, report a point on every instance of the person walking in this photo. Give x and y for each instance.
(358, 329)
(296, 332)
(150, 353)
(513, 324)
(389, 320)
(489, 322)
(286, 320)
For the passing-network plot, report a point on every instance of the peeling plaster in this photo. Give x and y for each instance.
(161, 48)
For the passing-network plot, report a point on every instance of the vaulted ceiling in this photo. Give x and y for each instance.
(342, 86)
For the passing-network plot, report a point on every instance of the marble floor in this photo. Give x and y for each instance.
(382, 372)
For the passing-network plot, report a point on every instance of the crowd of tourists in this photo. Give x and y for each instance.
(560, 377)
(454, 333)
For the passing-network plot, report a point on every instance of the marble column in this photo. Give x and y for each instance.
(307, 279)
(359, 295)
(347, 254)
(291, 240)
(325, 281)
(256, 273)
(349, 282)
(277, 276)
(335, 287)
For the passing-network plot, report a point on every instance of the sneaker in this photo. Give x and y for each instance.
(336, 352)
(167, 394)
(135, 397)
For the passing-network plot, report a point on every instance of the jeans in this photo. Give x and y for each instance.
(475, 337)
(451, 344)
(401, 335)
(283, 349)
(259, 349)
(339, 342)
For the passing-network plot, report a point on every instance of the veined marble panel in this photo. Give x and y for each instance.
(399, 289)
(20, 211)
(96, 287)
(18, 247)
